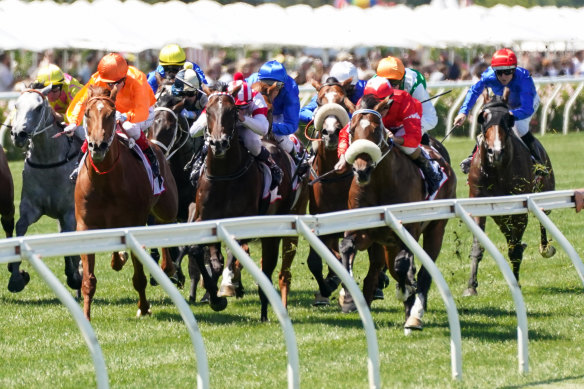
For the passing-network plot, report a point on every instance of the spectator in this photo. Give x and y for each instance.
(6, 74)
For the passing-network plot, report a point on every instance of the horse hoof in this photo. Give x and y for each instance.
(17, 283)
(176, 280)
(547, 252)
(153, 281)
(414, 323)
(320, 300)
(139, 314)
(227, 290)
(205, 298)
(239, 291)
(469, 292)
(346, 302)
(218, 304)
(378, 295)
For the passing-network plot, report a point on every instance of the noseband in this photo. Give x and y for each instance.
(45, 115)
(208, 136)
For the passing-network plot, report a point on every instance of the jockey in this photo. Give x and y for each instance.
(63, 88)
(523, 100)
(134, 103)
(187, 84)
(413, 82)
(403, 120)
(285, 107)
(252, 126)
(342, 71)
(171, 60)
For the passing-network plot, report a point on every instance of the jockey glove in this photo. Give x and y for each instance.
(121, 117)
(70, 129)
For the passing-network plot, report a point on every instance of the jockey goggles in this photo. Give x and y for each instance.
(171, 69)
(188, 93)
(280, 84)
(506, 72)
(112, 84)
(56, 88)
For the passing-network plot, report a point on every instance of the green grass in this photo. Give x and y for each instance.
(40, 345)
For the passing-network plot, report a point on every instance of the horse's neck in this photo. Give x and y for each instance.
(397, 179)
(325, 159)
(45, 148)
(232, 162)
(109, 167)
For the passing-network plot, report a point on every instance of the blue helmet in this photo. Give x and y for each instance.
(273, 70)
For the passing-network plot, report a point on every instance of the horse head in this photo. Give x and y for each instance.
(100, 117)
(221, 121)
(269, 92)
(332, 112)
(33, 116)
(165, 129)
(496, 126)
(368, 137)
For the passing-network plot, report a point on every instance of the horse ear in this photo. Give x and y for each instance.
(510, 120)
(506, 92)
(316, 85)
(349, 105)
(481, 117)
(384, 106)
(347, 82)
(236, 90)
(486, 97)
(114, 92)
(45, 91)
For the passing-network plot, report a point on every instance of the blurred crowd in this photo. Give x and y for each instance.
(436, 65)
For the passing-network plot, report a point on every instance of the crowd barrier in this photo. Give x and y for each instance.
(32, 248)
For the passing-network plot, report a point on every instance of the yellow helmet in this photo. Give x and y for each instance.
(171, 55)
(51, 74)
(391, 68)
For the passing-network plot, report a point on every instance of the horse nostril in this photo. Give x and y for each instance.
(490, 151)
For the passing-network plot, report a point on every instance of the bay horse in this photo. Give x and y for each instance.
(503, 166)
(113, 190)
(330, 193)
(383, 175)
(231, 185)
(46, 187)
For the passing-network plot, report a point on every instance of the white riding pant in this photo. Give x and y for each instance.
(251, 140)
(285, 143)
(521, 127)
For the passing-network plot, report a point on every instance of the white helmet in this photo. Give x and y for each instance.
(343, 71)
(189, 79)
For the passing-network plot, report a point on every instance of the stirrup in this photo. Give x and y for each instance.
(74, 174)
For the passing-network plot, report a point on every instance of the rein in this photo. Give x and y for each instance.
(109, 141)
(177, 129)
(382, 141)
(235, 175)
(53, 165)
(46, 114)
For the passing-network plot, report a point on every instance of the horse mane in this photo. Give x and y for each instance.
(368, 102)
(218, 86)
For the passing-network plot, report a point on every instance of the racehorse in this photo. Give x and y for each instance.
(6, 196)
(229, 168)
(330, 193)
(383, 175)
(46, 187)
(503, 166)
(113, 190)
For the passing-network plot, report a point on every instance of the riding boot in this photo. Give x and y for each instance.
(265, 157)
(465, 164)
(540, 168)
(433, 178)
(75, 172)
(149, 153)
(198, 165)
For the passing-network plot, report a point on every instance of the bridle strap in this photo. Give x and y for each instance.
(174, 134)
(46, 114)
(365, 111)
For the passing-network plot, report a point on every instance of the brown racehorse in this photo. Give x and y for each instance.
(113, 190)
(385, 176)
(503, 166)
(6, 196)
(330, 193)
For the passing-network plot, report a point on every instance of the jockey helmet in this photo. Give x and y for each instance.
(186, 80)
(379, 87)
(504, 59)
(50, 74)
(171, 55)
(273, 70)
(244, 95)
(391, 68)
(343, 71)
(112, 68)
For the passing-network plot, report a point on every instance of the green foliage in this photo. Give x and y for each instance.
(41, 344)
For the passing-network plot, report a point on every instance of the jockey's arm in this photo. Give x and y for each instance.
(199, 126)
(258, 124)
(307, 112)
(429, 116)
(412, 124)
(342, 147)
(291, 107)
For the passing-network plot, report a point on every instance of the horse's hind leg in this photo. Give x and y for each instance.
(268, 264)
(8, 224)
(325, 285)
(28, 215)
(89, 283)
(194, 275)
(289, 245)
(545, 247)
(139, 281)
(476, 255)
(68, 223)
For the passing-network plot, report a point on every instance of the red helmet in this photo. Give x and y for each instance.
(504, 59)
(245, 94)
(379, 87)
(112, 67)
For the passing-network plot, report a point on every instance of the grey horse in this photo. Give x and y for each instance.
(46, 187)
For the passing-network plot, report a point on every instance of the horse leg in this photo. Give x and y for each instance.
(325, 285)
(68, 223)
(194, 275)
(545, 248)
(476, 255)
(376, 263)
(89, 282)
(405, 269)
(237, 266)
(28, 215)
(348, 251)
(513, 228)
(8, 224)
(289, 245)
(177, 254)
(155, 254)
(231, 284)
(268, 264)
(167, 264)
(139, 281)
(210, 281)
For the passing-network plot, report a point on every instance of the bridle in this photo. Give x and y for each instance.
(208, 136)
(113, 103)
(177, 128)
(45, 115)
(382, 138)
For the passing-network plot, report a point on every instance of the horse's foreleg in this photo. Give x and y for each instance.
(513, 228)
(376, 263)
(139, 281)
(476, 255)
(210, 280)
(89, 283)
(194, 275)
(19, 278)
(8, 224)
(289, 245)
(176, 255)
(348, 251)
(405, 269)
(268, 264)
(231, 284)
(167, 264)
(545, 248)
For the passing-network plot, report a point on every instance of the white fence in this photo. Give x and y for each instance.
(32, 248)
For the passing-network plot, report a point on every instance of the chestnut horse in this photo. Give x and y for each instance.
(231, 185)
(385, 176)
(113, 190)
(330, 193)
(503, 166)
